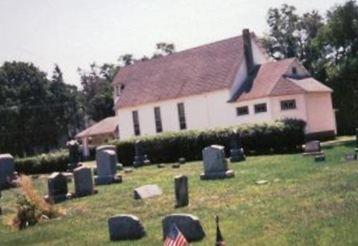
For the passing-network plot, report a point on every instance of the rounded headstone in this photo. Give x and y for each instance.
(125, 227)
(188, 224)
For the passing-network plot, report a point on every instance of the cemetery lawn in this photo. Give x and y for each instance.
(303, 203)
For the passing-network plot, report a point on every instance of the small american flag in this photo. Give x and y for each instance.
(175, 237)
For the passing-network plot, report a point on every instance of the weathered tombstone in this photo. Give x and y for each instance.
(356, 148)
(319, 158)
(215, 164)
(101, 156)
(74, 154)
(128, 170)
(176, 165)
(57, 187)
(182, 160)
(140, 157)
(312, 148)
(106, 160)
(161, 165)
(236, 151)
(350, 157)
(7, 169)
(181, 191)
(125, 227)
(188, 224)
(147, 191)
(83, 181)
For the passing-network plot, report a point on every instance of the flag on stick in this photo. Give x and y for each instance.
(175, 237)
(219, 238)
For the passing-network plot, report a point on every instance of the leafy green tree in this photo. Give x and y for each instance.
(291, 35)
(97, 90)
(337, 42)
(163, 49)
(66, 109)
(26, 122)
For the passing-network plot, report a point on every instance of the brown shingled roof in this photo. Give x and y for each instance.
(105, 126)
(267, 78)
(198, 70)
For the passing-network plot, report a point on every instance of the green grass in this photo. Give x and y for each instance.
(304, 203)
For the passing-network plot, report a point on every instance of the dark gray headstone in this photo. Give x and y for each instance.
(236, 151)
(182, 160)
(140, 158)
(181, 191)
(83, 181)
(7, 169)
(188, 224)
(106, 160)
(319, 158)
(102, 156)
(312, 148)
(74, 154)
(125, 227)
(147, 191)
(356, 137)
(57, 187)
(215, 164)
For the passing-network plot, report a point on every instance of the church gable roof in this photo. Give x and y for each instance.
(198, 70)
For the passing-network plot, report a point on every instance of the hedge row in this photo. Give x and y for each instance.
(266, 138)
(44, 163)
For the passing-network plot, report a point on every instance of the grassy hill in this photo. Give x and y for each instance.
(304, 203)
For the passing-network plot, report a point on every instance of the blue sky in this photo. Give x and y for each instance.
(74, 33)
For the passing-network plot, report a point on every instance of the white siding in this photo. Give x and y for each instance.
(201, 111)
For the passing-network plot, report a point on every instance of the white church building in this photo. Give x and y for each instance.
(221, 84)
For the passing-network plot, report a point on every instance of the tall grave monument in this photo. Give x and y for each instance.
(74, 154)
(236, 151)
(215, 164)
(106, 160)
(7, 169)
(140, 157)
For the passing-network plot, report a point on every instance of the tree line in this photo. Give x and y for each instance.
(39, 113)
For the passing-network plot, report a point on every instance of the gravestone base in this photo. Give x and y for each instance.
(56, 199)
(313, 153)
(320, 158)
(106, 180)
(237, 155)
(90, 193)
(218, 175)
(141, 161)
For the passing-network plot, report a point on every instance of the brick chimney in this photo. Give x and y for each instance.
(246, 36)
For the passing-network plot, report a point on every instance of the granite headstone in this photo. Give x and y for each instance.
(147, 191)
(181, 191)
(125, 227)
(83, 181)
(106, 160)
(215, 164)
(236, 151)
(7, 169)
(140, 158)
(312, 148)
(57, 187)
(188, 224)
